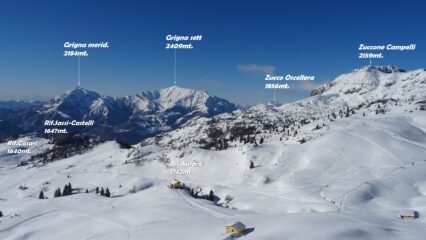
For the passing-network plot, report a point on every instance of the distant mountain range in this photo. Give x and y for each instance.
(149, 113)
(129, 118)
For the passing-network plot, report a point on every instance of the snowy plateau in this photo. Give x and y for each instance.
(341, 164)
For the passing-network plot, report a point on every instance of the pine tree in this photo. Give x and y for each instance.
(65, 191)
(87, 190)
(102, 192)
(251, 164)
(41, 195)
(210, 197)
(97, 190)
(107, 193)
(69, 189)
(57, 193)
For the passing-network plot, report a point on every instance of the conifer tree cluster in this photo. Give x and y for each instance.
(66, 145)
(103, 192)
(196, 194)
(67, 191)
(57, 193)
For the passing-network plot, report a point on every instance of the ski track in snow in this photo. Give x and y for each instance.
(374, 143)
(110, 223)
(380, 179)
(28, 220)
(403, 166)
(395, 135)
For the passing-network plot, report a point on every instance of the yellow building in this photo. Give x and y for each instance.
(236, 228)
(176, 185)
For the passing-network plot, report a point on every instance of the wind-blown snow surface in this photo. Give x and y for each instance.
(349, 182)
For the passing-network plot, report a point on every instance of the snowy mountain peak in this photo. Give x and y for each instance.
(189, 98)
(75, 103)
(78, 95)
(82, 92)
(174, 96)
(181, 91)
(383, 69)
(373, 83)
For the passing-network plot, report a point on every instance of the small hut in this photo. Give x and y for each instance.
(237, 228)
(407, 214)
(176, 184)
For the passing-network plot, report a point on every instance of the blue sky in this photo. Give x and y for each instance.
(291, 37)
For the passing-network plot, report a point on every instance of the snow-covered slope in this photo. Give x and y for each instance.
(348, 183)
(370, 90)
